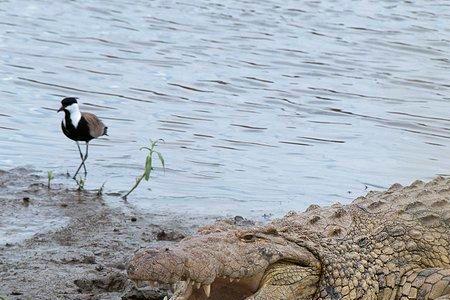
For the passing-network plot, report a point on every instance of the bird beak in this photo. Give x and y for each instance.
(60, 109)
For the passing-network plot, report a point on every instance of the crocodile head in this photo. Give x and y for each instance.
(254, 264)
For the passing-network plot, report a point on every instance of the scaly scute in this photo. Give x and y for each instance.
(387, 245)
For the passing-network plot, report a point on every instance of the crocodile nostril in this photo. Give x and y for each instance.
(131, 269)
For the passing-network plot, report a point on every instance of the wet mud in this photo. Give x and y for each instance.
(61, 243)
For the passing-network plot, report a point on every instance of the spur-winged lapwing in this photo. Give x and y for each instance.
(80, 126)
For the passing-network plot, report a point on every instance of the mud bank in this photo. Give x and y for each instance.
(60, 243)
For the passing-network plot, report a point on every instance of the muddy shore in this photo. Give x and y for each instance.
(60, 243)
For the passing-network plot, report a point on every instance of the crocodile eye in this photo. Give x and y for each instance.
(248, 238)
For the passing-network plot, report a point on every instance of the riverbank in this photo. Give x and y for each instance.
(61, 243)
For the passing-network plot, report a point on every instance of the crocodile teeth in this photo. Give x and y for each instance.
(207, 290)
(182, 291)
(231, 279)
(198, 285)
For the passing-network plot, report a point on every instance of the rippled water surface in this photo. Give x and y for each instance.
(264, 106)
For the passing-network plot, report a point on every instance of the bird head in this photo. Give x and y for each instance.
(68, 104)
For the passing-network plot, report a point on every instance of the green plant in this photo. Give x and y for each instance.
(80, 182)
(50, 177)
(100, 190)
(148, 168)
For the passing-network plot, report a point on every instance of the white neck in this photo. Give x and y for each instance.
(75, 114)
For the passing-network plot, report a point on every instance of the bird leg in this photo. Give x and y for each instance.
(81, 156)
(83, 159)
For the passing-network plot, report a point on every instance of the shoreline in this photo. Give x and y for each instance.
(60, 243)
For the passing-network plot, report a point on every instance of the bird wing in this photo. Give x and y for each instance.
(96, 126)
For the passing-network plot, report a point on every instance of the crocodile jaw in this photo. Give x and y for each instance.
(218, 265)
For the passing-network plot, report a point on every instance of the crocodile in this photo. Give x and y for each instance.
(385, 245)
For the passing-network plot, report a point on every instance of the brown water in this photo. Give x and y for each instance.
(265, 106)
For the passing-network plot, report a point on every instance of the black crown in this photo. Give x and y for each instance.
(68, 101)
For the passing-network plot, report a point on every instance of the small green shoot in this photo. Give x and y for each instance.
(100, 190)
(80, 182)
(148, 165)
(50, 177)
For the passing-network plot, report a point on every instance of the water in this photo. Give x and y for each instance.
(264, 106)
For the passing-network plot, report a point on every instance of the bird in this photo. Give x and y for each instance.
(80, 126)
